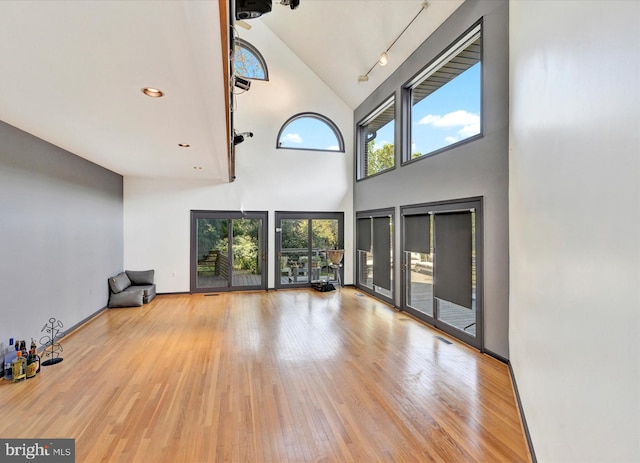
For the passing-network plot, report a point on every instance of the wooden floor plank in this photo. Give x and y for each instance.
(278, 376)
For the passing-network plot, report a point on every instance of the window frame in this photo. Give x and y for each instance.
(362, 143)
(241, 43)
(432, 67)
(321, 118)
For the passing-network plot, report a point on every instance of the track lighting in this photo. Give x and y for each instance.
(384, 58)
(293, 4)
(239, 137)
(241, 83)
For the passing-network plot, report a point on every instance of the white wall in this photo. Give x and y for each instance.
(574, 226)
(157, 224)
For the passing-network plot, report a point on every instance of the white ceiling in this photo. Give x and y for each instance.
(71, 72)
(341, 39)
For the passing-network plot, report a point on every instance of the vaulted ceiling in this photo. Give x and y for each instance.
(340, 40)
(72, 72)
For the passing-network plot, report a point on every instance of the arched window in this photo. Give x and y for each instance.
(310, 131)
(248, 62)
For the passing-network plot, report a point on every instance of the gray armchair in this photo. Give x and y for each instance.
(131, 288)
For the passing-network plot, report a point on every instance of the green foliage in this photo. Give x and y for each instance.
(213, 234)
(379, 159)
(245, 254)
(295, 233)
(325, 234)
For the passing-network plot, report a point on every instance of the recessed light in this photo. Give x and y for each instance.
(152, 92)
(184, 145)
(197, 167)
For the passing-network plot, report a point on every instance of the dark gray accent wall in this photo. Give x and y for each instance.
(61, 234)
(476, 168)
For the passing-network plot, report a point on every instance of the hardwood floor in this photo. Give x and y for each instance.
(278, 376)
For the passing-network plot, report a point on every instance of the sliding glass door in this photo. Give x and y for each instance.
(227, 250)
(302, 242)
(441, 262)
(374, 260)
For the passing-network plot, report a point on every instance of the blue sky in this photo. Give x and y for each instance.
(308, 132)
(448, 115)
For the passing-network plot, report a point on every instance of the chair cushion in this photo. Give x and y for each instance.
(140, 277)
(146, 289)
(119, 283)
(126, 299)
(149, 293)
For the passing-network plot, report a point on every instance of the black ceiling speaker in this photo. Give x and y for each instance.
(248, 9)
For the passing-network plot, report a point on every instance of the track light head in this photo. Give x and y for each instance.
(241, 83)
(293, 4)
(239, 137)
